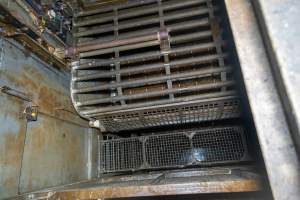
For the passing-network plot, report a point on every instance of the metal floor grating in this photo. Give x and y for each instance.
(174, 149)
(137, 62)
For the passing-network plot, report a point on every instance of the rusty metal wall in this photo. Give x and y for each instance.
(54, 150)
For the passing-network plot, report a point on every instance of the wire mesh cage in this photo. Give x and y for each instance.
(202, 147)
(143, 63)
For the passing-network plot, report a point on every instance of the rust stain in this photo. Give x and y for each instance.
(47, 147)
(10, 182)
(158, 190)
(13, 144)
(47, 97)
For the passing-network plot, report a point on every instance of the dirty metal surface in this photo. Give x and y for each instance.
(56, 145)
(275, 139)
(21, 22)
(217, 196)
(12, 133)
(174, 149)
(279, 21)
(152, 63)
(176, 182)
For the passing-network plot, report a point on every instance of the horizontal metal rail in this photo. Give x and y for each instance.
(121, 42)
(146, 68)
(124, 59)
(141, 82)
(190, 37)
(150, 9)
(119, 48)
(145, 20)
(138, 3)
(142, 56)
(157, 36)
(112, 7)
(174, 27)
(123, 81)
(213, 97)
(157, 93)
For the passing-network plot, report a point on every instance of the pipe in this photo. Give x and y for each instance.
(141, 82)
(145, 68)
(215, 96)
(144, 56)
(149, 20)
(124, 59)
(172, 28)
(136, 13)
(190, 37)
(110, 8)
(157, 93)
(158, 36)
(120, 48)
(134, 4)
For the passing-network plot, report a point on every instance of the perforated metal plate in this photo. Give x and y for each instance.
(174, 149)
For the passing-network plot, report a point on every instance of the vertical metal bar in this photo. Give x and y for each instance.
(166, 49)
(117, 55)
(1, 51)
(90, 153)
(100, 157)
(216, 34)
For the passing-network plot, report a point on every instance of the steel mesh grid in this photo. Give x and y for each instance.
(217, 145)
(175, 149)
(121, 154)
(168, 150)
(204, 111)
(193, 46)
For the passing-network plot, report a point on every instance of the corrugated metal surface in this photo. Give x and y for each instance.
(57, 145)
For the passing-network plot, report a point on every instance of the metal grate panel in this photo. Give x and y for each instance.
(168, 150)
(218, 145)
(122, 154)
(174, 149)
(134, 58)
(194, 112)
